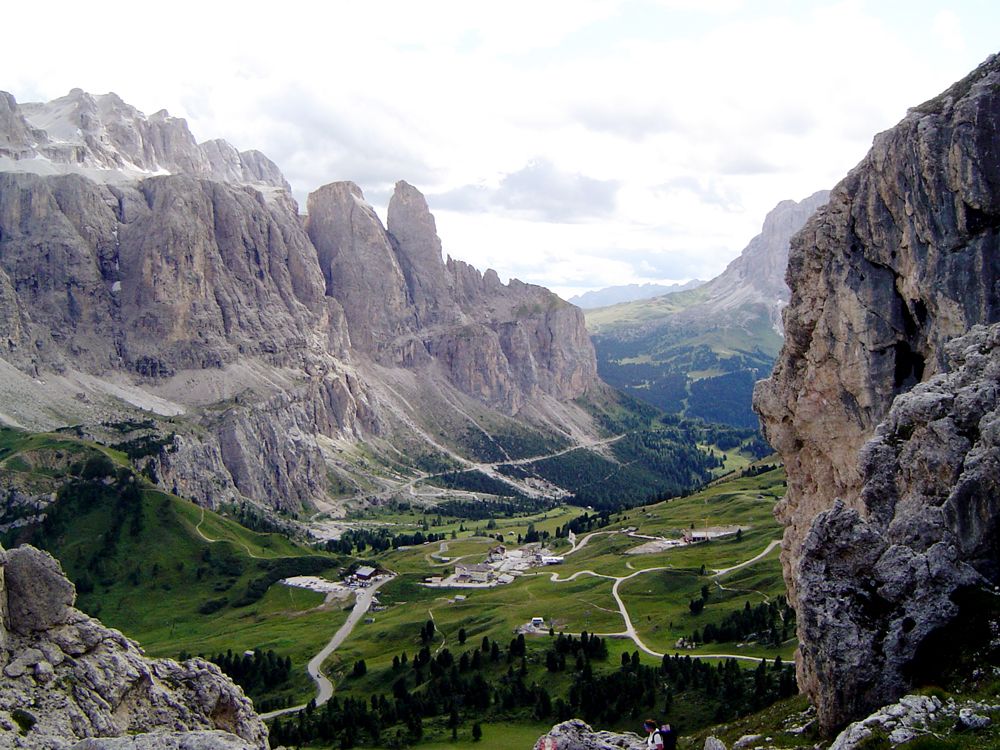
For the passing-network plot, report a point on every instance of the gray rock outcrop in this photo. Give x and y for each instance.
(66, 677)
(578, 735)
(904, 258)
(874, 584)
(200, 740)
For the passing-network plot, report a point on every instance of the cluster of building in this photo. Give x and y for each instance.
(500, 567)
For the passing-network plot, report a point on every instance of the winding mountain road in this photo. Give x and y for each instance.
(324, 688)
(630, 631)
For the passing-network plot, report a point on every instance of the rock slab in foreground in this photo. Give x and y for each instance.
(578, 735)
(67, 678)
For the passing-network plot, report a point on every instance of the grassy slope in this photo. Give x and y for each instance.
(657, 602)
(162, 570)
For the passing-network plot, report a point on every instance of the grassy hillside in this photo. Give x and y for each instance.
(173, 576)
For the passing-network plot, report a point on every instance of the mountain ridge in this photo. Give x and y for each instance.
(613, 295)
(698, 352)
(296, 362)
(106, 139)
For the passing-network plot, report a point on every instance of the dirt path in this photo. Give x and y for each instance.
(202, 534)
(324, 688)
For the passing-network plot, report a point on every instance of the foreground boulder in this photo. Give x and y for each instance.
(67, 678)
(578, 735)
(875, 583)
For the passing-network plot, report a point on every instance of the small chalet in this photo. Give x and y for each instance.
(365, 573)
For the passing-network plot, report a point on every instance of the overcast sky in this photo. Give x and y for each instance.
(572, 143)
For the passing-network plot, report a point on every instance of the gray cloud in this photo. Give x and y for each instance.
(315, 143)
(539, 191)
(745, 163)
(635, 122)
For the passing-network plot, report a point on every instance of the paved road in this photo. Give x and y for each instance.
(751, 561)
(324, 688)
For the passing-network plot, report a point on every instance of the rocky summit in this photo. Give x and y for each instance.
(885, 523)
(67, 678)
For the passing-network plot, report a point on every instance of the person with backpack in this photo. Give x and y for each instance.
(655, 739)
(669, 737)
(659, 738)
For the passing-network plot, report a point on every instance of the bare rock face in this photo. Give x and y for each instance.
(66, 677)
(873, 585)
(406, 307)
(904, 258)
(360, 266)
(418, 248)
(203, 740)
(577, 735)
(110, 140)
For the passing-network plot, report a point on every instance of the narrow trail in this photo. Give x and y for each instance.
(444, 638)
(324, 688)
(582, 542)
(202, 534)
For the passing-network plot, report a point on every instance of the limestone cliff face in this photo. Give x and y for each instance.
(67, 677)
(182, 275)
(905, 257)
(407, 307)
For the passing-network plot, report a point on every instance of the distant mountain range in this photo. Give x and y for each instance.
(698, 352)
(614, 295)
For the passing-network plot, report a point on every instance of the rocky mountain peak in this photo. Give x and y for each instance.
(904, 258)
(108, 139)
(758, 272)
(419, 251)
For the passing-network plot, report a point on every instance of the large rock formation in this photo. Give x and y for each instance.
(407, 307)
(66, 677)
(905, 257)
(180, 278)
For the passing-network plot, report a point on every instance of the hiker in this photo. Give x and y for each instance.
(660, 738)
(655, 738)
